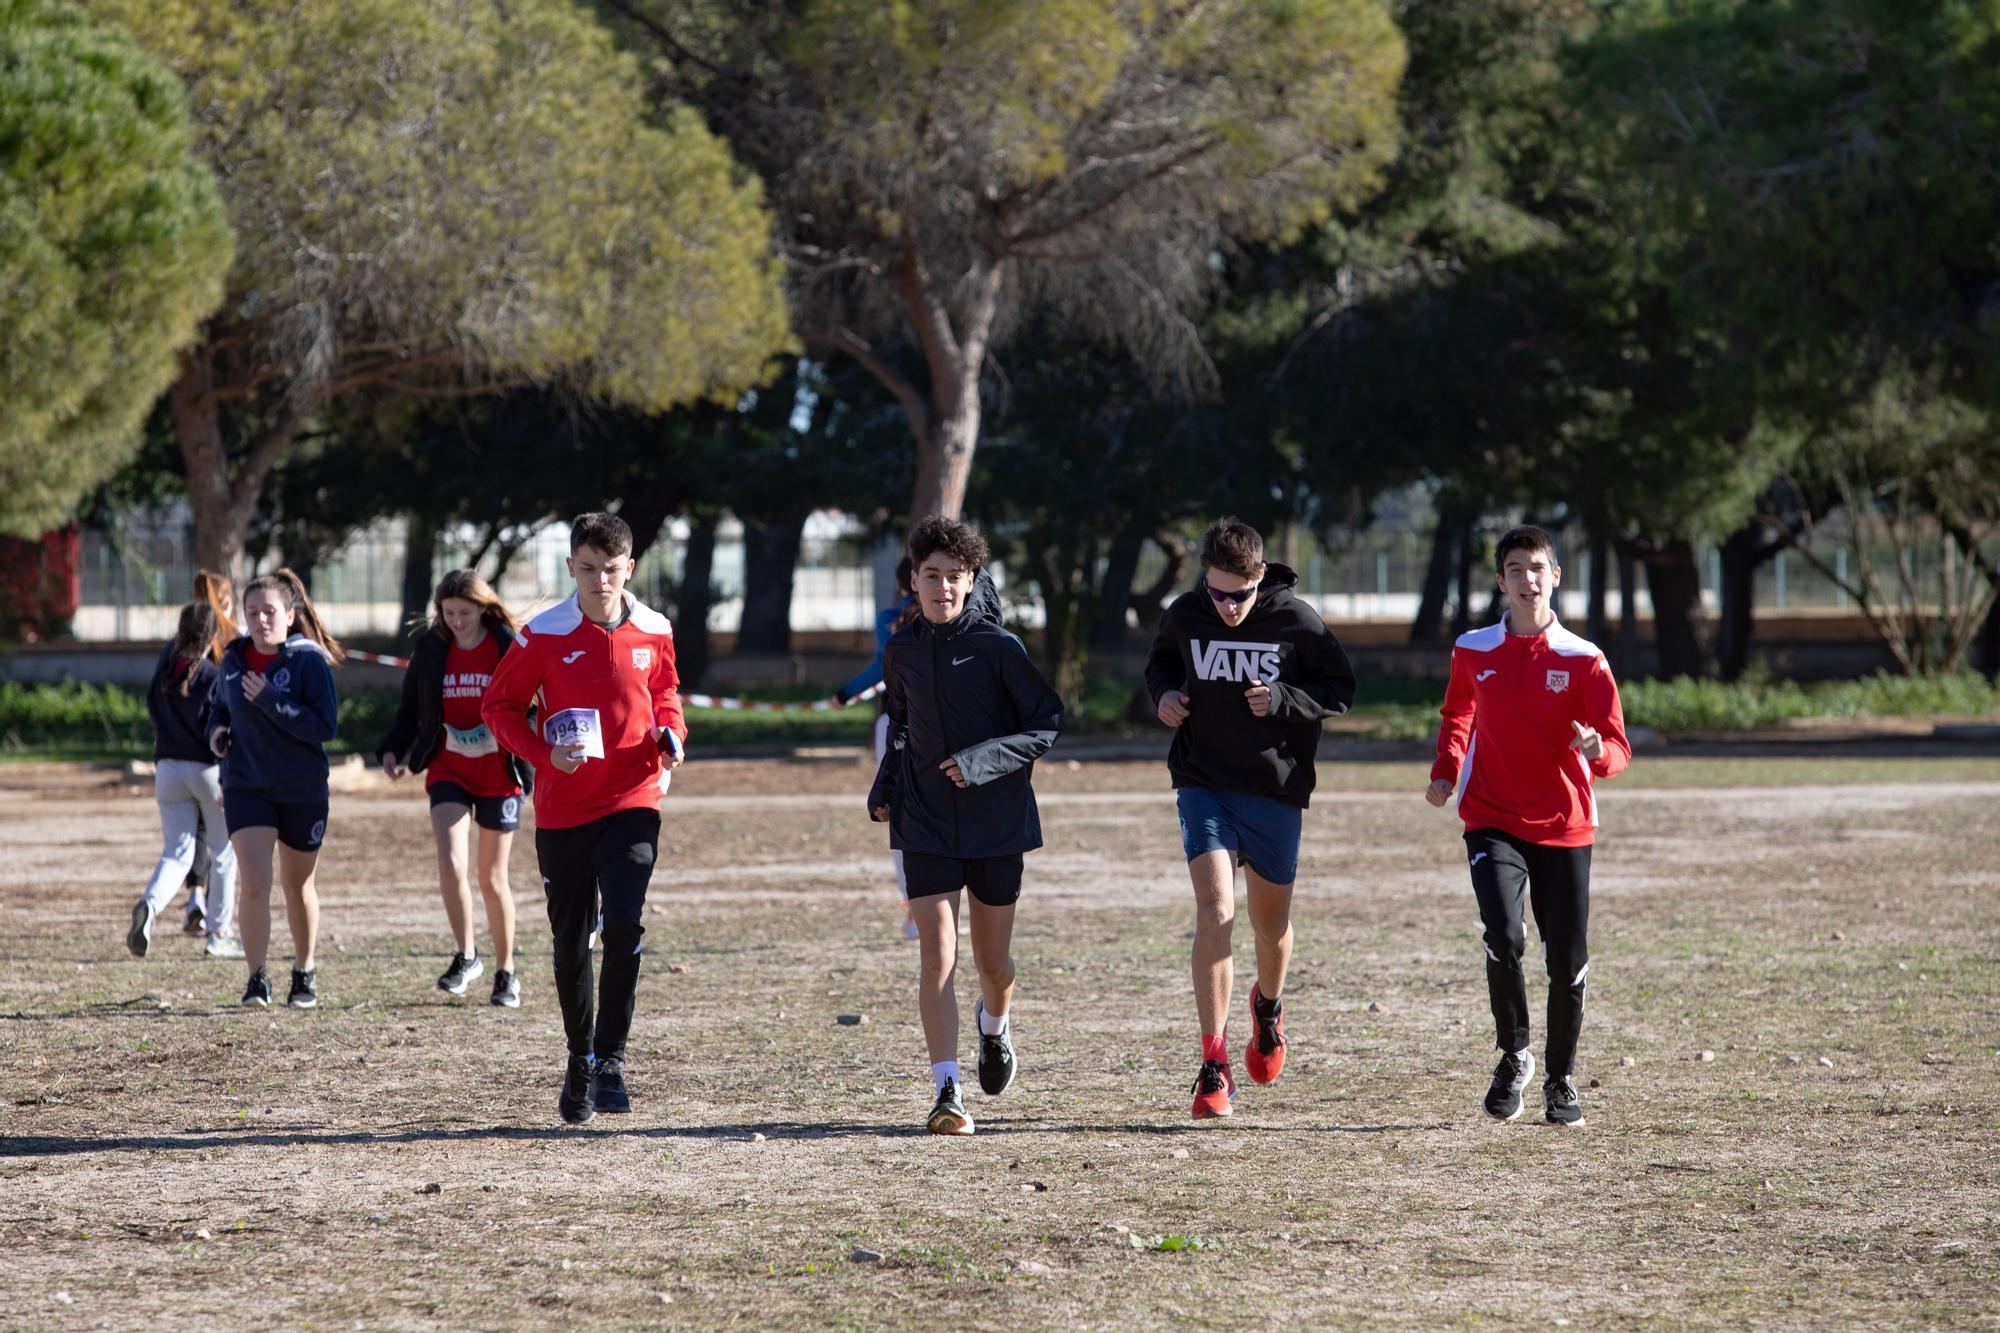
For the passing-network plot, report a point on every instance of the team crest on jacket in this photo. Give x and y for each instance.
(1227, 660)
(1558, 681)
(642, 658)
(282, 678)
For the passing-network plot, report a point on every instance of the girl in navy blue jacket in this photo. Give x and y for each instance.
(270, 715)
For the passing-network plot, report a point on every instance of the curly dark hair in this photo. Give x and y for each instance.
(958, 540)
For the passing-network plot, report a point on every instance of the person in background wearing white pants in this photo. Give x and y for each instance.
(187, 784)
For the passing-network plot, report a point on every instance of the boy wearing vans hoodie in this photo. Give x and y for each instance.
(1244, 672)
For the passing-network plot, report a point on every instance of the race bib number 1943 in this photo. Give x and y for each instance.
(575, 726)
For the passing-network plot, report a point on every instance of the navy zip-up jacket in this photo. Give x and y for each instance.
(276, 743)
(963, 690)
(177, 728)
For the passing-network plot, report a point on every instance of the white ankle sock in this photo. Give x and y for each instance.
(943, 1072)
(989, 1025)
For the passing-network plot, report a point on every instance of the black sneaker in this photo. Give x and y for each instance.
(607, 1083)
(257, 994)
(996, 1055)
(1503, 1099)
(948, 1115)
(575, 1103)
(462, 973)
(305, 990)
(140, 937)
(506, 989)
(1560, 1104)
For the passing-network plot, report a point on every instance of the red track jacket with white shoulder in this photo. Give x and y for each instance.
(582, 678)
(1506, 736)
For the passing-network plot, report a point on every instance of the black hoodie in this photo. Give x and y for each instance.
(963, 690)
(1283, 643)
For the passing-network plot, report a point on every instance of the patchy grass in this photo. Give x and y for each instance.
(1831, 939)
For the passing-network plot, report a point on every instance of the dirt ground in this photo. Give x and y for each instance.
(1789, 1071)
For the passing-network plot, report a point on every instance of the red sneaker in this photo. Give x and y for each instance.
(1264, 1053)
(1214, 1089)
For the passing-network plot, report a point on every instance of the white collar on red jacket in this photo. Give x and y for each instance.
(566, 616)
(1560, 640)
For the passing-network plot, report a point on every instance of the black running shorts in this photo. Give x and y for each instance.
(993, 880)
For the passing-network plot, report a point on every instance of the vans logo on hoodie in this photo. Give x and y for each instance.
(1229, 660)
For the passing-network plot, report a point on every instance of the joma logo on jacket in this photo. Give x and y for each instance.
(1229, 660)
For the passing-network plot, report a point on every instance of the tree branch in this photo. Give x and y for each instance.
(852, 345)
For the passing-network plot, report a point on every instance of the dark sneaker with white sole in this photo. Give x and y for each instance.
(506, 989)
(996, 1055)
(575, 1103)
(1559, 1102)
(305, 989)
(257, 993)
(139, 939)
(462, 973)
(607, 1086)
(948, 1115)
(1510, 1077)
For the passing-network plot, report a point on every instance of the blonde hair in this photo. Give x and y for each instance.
(210, 588)
(467, 586)
(292, 589)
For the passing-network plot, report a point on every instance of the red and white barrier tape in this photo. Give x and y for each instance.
(691, 700)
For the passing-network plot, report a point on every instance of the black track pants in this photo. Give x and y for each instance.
(1556, 881)
(613, 858)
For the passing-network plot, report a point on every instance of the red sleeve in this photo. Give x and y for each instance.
(666, 686)
(1603, 712)
(510, 693)
(1456, 730)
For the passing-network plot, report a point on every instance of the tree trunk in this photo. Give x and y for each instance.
(1121, 565)
(1742, 556)
(770, 567)
(1461, 614)
(692, 598)
(419, 575)
(224, 498)
(948, 432)
(1428, 627)
(1627, 662)
(1989, 645)
(1680, 630)
(1149, 603)
(1597, 627)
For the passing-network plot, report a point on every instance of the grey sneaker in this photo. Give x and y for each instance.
(221, 946)
(1503, 1099)
(506, 990)
(462, 973)
(948, 1115)
(140, 937)
(1560, 1105)
(305, 989)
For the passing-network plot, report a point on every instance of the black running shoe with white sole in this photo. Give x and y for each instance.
(139, 938)
(257, 994)
(1503, 1099)
(305, 989)
(607, 1086)
(506, 989)
(576, 1104)
(996, 1054)
(462, 973)
(948, 1115)
(1559, 1102)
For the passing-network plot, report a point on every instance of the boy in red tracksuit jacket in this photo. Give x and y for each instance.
(1531, 718)
(598, 670)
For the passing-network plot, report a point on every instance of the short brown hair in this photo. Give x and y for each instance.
(959, 540)
(1234, 547)
(607, 532)
(1526, 537)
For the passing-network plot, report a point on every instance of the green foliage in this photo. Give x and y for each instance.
(74, 716)
(113, 247)
(459, 182)
(1707, 705)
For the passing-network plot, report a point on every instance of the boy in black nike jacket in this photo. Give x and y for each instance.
(1244, 672)
(968, 716)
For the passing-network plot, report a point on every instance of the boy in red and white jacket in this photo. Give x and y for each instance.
(598, 670)
(1531, 719)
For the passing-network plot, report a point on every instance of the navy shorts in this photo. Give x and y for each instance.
(993, 880)
(1260, 831)
(502, 814)
(301, 825)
